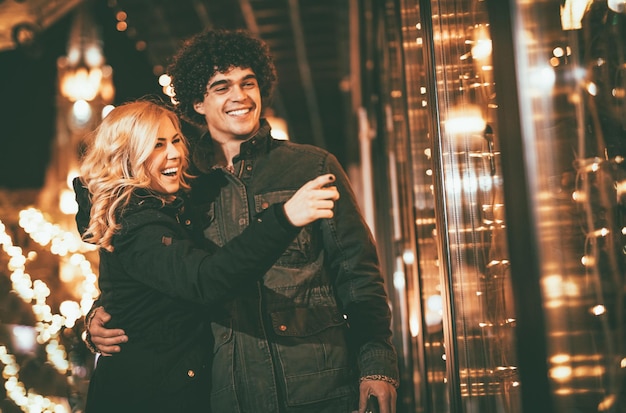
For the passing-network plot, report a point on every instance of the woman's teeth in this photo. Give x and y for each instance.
(169, 171)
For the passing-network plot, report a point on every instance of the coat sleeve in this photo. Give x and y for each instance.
(81, 194)
(157, 254)
(353, 257)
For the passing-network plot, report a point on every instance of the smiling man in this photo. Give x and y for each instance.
(313, 336)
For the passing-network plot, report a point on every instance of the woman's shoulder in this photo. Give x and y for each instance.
(145, 209)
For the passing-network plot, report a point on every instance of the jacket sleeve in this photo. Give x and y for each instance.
(157, 254)
(81, 194)
(353, 257)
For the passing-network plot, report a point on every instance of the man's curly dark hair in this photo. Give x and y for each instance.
(213, 51)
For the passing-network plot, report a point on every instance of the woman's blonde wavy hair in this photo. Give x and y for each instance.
(114, 163)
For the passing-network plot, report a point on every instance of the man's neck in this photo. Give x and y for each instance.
(226, 148)
(225, 152)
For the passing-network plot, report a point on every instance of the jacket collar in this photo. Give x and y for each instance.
(203, 152)
(147, 199)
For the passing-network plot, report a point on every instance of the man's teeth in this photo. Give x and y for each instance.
(239, 112)
(169, 171)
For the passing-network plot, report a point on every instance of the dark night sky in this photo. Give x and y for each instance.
(27, 115)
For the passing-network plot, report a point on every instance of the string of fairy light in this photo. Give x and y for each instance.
(48, 324)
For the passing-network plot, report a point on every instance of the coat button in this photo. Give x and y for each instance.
(265, 205)
(191, 373)
(249, 168)
(282, 327)
(187, 222)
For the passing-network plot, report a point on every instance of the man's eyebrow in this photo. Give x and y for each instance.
(227, 81)
(218, 82)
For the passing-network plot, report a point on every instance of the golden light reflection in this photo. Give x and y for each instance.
(48, 325)
(572, 13)
(67, 202)
(481, 45)
(560, 358)
(618, 6)
(465, 120)
(561, 373)
(598, 310)
(555, 286)
(27, 400)
(81, 83)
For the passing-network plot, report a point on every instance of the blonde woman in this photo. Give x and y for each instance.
(155, 283)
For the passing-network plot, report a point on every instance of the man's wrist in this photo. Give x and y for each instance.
(89, 344)
(87, 335)
(381, 377)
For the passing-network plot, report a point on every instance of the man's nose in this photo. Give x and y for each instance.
(238, 93)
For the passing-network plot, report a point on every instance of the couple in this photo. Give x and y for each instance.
(299, 323)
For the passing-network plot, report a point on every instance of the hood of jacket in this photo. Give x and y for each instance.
(141, 199)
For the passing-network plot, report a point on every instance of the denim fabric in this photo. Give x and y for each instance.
(299, 340)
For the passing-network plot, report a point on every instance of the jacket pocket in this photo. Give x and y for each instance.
(305, 322)
(313, 354)
(300, 251)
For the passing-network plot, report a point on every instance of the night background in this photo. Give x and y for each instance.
(29, 79)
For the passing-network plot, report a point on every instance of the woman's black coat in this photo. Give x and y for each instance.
(158, 287)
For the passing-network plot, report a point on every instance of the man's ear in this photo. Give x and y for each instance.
(198, 107)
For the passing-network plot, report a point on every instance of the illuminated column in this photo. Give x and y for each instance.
(85, 88)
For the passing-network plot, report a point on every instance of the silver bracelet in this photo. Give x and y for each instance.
(381, 377)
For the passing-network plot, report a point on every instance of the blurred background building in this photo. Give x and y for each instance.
(492, 133)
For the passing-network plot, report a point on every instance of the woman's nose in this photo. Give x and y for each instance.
(173, 152)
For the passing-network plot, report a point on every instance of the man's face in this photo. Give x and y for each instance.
(232, 105)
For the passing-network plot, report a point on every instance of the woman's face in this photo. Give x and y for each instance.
(164, 163)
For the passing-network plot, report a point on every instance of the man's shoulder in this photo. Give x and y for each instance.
(300, 149)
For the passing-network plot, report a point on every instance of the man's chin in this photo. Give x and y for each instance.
(246, 133)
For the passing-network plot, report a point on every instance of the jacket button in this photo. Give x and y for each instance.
(282, 327)
(191, 373)
(187, 222)
(249, 168)
(265, 205)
